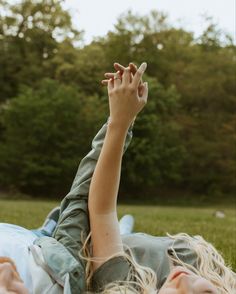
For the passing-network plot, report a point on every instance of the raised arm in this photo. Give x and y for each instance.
(74, 219)
(124, 104)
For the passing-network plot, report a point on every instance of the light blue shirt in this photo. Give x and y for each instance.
(14, 243)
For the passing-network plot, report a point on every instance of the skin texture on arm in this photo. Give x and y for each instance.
(105, 182)
(124, 103)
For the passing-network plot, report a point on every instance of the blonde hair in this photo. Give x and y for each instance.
(209, 265)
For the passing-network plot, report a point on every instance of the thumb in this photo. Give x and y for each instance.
(145, 92)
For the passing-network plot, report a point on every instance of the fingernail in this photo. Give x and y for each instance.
(143, 66)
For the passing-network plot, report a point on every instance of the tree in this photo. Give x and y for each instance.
(30, 32)
(183, 139)
(156, 153)
(84, 66)
(46, 133)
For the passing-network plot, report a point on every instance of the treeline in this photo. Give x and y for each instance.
(52, 103)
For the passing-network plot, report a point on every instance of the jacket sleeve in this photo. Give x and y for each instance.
(73, 224)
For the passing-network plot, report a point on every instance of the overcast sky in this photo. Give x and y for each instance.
(97, 17)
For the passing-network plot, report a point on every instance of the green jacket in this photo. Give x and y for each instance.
(55, 262)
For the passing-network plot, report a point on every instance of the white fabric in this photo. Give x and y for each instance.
(14, 243)
(42, 283)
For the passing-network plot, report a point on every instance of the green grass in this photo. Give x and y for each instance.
(155, 220)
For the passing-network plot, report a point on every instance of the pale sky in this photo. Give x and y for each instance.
(97, 17)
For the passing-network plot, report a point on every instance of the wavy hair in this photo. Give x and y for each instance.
(210, 263)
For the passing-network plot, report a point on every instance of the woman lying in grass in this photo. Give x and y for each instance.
(34, 261)
(140, 263)
(134, 263)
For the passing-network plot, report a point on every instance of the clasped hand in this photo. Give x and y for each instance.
(127, 94)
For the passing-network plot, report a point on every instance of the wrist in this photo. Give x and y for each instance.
(118, 125)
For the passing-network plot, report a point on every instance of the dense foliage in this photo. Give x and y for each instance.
(52, 103)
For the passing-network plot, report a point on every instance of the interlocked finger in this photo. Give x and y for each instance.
(117, 79)
(126, 76)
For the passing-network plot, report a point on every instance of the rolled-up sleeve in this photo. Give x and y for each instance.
(73, 224)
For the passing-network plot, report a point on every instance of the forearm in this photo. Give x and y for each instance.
(105, 182)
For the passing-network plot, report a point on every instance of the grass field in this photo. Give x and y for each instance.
(156, 220)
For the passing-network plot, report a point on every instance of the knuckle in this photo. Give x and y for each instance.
(132, 89)
(122, 88)
(117, 90)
